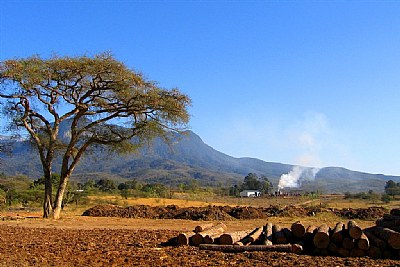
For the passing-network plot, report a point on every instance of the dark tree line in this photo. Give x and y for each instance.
(252, 182)
(392, 188)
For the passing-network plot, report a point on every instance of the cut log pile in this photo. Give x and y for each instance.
(344, 239)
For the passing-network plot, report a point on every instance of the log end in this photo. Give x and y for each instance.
(296, 248)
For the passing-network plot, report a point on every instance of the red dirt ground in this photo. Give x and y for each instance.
(79, 241)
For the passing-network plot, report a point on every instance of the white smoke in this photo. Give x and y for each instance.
(296, 176)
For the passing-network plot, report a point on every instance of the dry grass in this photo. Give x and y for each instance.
(71, 216)
(118, 200)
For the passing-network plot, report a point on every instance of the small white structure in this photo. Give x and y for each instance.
(250, 193)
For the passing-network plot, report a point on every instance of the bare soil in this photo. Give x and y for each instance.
(27, 240)
(55, 246)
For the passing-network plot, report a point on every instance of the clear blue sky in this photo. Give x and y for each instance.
(314, 83)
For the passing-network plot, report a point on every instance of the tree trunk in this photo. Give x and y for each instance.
(375, 240)
(279, 236)
(374, 252)
(59, 197)
(202, 227)
(363, 242)
(231, 238)
(298, 229)
(390, 236)
(321, 238)
(354, 230)
(343, 252)
(48, 193)
(348, 243)
(309, 234)
(208, 235)
(183, 238)
(337, 234)
(295, 248)
(253, 236)
(268, 237)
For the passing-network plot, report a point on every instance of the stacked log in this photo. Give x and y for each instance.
(267, 235)
(338, 233)
(187, 237)
(279, 235)
(233, 237)
(390, 221)
(208, 236)
(321, 238)
(251, 238)
(344, 239)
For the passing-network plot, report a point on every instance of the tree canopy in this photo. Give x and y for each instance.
(392, 188)
(102, 102)
(252, 182)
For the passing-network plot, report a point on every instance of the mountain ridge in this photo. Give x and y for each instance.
(187, 158)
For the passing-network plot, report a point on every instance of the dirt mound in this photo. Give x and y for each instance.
(292, 211)
(226, 213)
(247, 213)
(210, 213)
(364, 214)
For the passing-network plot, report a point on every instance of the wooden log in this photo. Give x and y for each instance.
(309, 234)
(333, 248)
(390, 236)
(394, 228)
(294, 248)
(288, 234)
(210, 239)
(321, 238)
(338, 233)
(354, 230)
(357, 252)
(375, 240)
(203, 227)
(183, 238)
(390, 217)
(298, 229)
(324, 252)
(343, 252)
(233, 237)
(252, 237)
(279, 236)
(207, 235)
(363, 242)
(387, 223)
(348, 243)
(395, 212)
(374, 252)
(267, 235)
(387, 254)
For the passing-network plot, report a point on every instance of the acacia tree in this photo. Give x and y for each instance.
(102, 101)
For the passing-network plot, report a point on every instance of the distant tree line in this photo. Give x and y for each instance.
(252, 182)
(392, 188)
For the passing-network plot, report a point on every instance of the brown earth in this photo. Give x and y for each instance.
(28, 240)
(57, 246)
(227, 212)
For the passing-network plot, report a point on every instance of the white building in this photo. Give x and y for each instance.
(250, 193)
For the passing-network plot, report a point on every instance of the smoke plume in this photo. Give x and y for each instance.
(296, 176)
